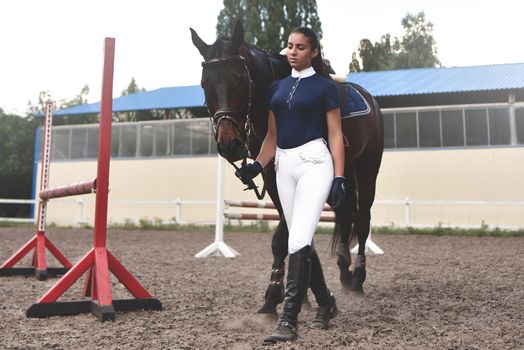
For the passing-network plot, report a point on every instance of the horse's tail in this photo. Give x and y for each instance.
(335, 238)
(344, 230)
(338, 232)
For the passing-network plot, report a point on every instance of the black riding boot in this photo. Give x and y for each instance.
(297, 283)
(327, 307)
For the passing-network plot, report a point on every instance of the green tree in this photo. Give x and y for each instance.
(415, 49)
(135, 116)
(38, 110)
(267, 23)
(150, 114)
(418, 47)
(17, 139)
(77, 100)
(132, 88)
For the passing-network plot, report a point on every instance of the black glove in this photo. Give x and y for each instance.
(338, 192)
(247, 172)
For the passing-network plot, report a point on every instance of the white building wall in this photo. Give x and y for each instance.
(472, 175)
(485, 174)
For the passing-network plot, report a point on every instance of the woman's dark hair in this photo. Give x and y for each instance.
(317, 63)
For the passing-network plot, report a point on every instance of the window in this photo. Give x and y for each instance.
(499, 130)
(389, 130)
(476, 127)
(429, 129)
(60, 144)
(146, 140)
(519, 121)
(115, 140)
(182, 138)
(128, 141)
(452, 128)
(406, 130)
(200, 138)
(213, 146)
(92, 143)
(150, 139)
(162, 143)
(78, 143)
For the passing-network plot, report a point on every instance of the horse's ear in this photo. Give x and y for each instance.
(199, 43)
(238, 35)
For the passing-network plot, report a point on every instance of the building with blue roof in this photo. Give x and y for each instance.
(395, 88)
(442, 86)
(454, 151)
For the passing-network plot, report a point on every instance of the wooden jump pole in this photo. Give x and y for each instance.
(267, 217)
(98, 261)
(371, 247)
(39, 242)
(73, 189)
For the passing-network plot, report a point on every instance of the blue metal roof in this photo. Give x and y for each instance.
(441, 80)
(164, 98)
(383, 83)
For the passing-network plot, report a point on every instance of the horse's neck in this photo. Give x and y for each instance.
(264, 69)
(281, 68)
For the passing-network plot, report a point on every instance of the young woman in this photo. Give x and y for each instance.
(307, 171)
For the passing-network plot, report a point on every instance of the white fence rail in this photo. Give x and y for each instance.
(410, 203)
(179, 204)
(16, 201)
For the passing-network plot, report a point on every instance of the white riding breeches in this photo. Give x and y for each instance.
(304, 177)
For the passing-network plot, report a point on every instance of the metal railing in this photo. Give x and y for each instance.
(179, 204)
(408, 204)
(16, 201)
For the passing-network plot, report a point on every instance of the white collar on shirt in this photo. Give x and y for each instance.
(303, 73)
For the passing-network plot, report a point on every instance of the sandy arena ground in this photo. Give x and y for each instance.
(423, 293)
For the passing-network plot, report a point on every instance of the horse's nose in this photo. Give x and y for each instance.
(236, 145)
(222, 149)
(233, 150)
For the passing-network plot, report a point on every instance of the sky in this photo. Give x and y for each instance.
(57, 45)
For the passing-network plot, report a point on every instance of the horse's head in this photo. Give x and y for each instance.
(227, 86)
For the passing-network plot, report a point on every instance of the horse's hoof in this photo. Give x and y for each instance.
(269, 308)
(346, 276)
(346, 279)
(357, 294)
(359, 276)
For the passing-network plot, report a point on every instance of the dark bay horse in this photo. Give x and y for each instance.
(235, 79)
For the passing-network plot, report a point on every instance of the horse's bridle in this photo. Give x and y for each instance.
(229, 114)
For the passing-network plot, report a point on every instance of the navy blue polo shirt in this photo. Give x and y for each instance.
(301, 118)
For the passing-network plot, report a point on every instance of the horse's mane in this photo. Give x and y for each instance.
(269, 53)
(283, 58)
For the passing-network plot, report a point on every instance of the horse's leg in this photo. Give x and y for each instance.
(275, 291)
(366, 194)
(344, 222)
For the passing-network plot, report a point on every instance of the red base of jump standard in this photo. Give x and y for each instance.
(98, 261)
(39, 268)
(40, 242)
